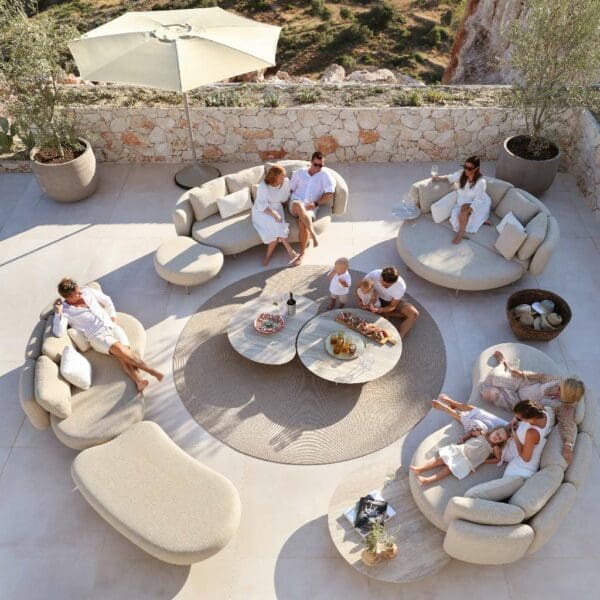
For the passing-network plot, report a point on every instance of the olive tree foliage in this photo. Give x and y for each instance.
(555, 51)
(33, 56)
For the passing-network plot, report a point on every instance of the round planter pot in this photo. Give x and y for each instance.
(534, 176)
(67, 182)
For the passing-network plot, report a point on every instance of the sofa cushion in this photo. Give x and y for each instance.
(289, 165)
(243, 179)
(427, 250)
(537, 490)
(34, 345)
(39, 417)
(158, 496)
(231, 236)
(516, 202)
(582, 458)
(536, 234)
(52, 346)
(430, 191)
(580, 409)
(510, 240)
(496, 189)
(442, 208)
(76, 369)
(79, 340)
(552, 453)
(204, 198)
(496, 489)
(588, 422)
(549, 519)
(485, 512)
(52, 392)
(234, 203)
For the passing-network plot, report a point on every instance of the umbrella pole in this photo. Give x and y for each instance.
(195, 174)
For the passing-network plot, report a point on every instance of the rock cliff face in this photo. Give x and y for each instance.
(480, 47)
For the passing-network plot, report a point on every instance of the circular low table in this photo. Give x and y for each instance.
(184, 261)
(420, 551)
(268, 349)
(376, 360)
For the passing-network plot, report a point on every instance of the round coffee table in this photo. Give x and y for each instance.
(275, 348)
(420, 551)
(376, 360)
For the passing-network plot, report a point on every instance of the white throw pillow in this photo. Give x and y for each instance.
(536, 233)
(510, 240)
(76, 368)
(509, 218)
(79, 339)
(441, 210)
(234, 204)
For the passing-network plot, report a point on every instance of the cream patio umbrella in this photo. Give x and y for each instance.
(176, 50)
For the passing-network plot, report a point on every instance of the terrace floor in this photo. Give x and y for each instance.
(53, 545)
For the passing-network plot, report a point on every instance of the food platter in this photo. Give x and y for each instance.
(364, 327)
(269, 323)
(357, 340)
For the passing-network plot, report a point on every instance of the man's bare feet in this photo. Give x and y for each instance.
(141, 385)
(298, 261)
(499, 356)
(444, 397)
(423, 480)
(415, 469)
(437, 404)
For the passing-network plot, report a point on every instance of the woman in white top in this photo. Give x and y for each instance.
(531, 427)
(473, 205)
(267, 212)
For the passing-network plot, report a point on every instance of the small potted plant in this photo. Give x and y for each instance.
(35, 54)
(555, 54)
(380, 545)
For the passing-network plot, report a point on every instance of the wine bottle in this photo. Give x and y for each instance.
(291, 305)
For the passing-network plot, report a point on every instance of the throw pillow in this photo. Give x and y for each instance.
(76, 369)
(496, 489)
(243, 179)
(536, 234)
(430, 191)
(78, 339)
(518, 203)
(52, 392)
(204, 198)
(510, 241)
(509, 218)
(234, 204)
(441, 210)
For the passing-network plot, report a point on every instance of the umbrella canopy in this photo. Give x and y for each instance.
(176, 50)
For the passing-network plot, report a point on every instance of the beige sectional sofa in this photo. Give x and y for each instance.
(493, 521)
(426, 247)
(196, 213)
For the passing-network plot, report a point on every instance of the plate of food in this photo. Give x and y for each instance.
(364, 327)
(268, 323)
(344, 345)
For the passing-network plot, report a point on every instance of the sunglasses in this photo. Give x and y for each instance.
(469, 168)
(318, 165)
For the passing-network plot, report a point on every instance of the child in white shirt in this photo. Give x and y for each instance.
(339, 283)
(366, 295)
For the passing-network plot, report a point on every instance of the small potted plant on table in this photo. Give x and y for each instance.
(555, 53)
(380, 545)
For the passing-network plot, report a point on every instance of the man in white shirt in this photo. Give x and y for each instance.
(390, 288)
(93, 313)
(311, 187)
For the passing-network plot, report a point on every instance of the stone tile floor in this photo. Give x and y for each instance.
(52, 545)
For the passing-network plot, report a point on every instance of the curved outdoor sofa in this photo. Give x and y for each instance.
(426, 247)
(200, 218)
(494, 521)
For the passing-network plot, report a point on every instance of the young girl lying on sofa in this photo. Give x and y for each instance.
(462, 459)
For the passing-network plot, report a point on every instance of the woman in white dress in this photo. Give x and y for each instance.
(267, 212)
(473, 205)
(524, 449)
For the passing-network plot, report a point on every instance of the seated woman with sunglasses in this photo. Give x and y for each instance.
(473, 205)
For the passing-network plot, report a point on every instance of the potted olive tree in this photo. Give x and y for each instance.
(34, 54)
(555, 52)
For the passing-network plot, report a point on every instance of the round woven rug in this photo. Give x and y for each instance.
(285, 413)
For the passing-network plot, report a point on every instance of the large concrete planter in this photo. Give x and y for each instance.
(535, 176)
(68, 182)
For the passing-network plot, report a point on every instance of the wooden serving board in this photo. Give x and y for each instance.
(382, 341)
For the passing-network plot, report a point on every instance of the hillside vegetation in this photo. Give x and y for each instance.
(413, 36)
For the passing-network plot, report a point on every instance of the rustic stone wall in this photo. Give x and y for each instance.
(585, 157)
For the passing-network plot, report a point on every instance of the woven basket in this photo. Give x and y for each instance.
(529, 297)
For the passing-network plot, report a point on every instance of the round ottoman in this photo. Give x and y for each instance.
(183, 261)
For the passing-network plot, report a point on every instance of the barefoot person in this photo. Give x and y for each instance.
(93, 313)
(267, 212)
(473, 205)
(390, 289)
(311, 187)
(505, 387)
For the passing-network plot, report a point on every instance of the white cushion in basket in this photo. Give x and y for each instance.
(441, 210)
(509, 218)
(510, 240)
(76, 368)
(234, 204)
(79, 339)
